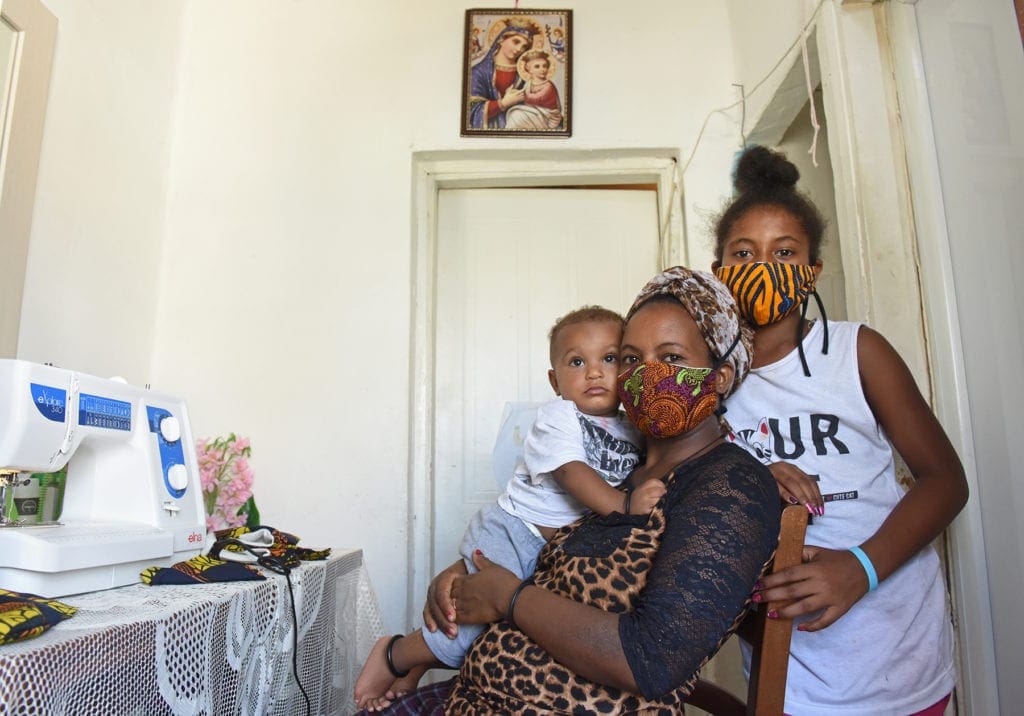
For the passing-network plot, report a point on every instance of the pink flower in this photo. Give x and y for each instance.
(226, 478)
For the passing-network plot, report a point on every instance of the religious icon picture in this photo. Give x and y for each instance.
(517, 73)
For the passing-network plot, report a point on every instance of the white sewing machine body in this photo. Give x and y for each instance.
(132, 497)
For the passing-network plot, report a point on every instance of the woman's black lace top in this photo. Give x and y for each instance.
(679, 577)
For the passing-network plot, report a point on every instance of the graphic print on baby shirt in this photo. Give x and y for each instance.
(607, 453)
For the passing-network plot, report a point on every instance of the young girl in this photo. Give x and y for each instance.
(824, 406)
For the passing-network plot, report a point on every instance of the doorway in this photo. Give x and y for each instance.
(486, 290)
(509, 263)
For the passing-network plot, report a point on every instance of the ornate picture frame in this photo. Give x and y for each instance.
(517, 73)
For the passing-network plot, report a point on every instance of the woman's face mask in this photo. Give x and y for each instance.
(664, 400)
(766, 293)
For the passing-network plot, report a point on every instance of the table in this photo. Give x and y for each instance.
(211, 649)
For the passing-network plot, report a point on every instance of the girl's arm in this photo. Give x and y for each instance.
(940, 490)
(833, 580)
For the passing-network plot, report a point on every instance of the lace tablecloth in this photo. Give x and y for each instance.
(211, 649)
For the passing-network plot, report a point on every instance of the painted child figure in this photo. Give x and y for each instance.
(577, 452)
(873, 631)
(541, 108)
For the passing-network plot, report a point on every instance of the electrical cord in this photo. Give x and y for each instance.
(295, 644)
(277, 566)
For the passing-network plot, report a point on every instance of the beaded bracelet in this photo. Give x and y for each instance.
(391, 664)
(865, 562)
(510, 612)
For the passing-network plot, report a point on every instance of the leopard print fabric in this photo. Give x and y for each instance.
(710, 538)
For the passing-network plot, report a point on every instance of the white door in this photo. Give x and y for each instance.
(509, 263)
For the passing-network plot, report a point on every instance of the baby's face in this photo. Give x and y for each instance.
(585, 366)
(537, 69)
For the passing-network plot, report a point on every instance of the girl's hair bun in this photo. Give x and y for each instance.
(762, 170)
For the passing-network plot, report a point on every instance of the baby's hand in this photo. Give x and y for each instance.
(645, 497)
(512, 97)
(796, 488)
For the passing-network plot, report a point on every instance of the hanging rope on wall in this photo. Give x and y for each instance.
(813, 151)
(742, 102)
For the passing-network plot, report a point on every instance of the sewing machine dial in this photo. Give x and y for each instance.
(170, 429)
(177, 476)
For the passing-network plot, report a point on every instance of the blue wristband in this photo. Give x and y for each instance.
(865, 562)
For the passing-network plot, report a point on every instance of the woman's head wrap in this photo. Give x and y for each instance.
(713, 308)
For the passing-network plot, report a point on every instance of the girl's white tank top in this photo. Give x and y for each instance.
(892, 653)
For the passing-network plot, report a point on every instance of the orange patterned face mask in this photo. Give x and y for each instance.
(766, 293)
(664, 400)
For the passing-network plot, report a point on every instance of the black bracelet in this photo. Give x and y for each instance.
(391, 664)
(510, 613)
(629, 496)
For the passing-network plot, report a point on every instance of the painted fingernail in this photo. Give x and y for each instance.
(810, 507)
(801, 628)
(772, 614)
(792, 500)
(757, 597)
(758, 585)
(476, 551)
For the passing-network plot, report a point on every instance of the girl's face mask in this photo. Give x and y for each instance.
(766, 293)
(664, 400)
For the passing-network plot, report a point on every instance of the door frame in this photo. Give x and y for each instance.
(22, 138)
(434, 171)
(871, 51)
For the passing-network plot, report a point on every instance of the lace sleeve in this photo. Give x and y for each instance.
(722, 525)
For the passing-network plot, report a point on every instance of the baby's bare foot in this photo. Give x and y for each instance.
(375, 677)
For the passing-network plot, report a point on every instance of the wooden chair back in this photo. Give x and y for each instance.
(766, 690)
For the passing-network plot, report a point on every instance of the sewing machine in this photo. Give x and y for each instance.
(132, 497)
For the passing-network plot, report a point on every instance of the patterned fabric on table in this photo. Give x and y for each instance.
(285, 545)
(199, 570)
(23, 616)
(712, 536)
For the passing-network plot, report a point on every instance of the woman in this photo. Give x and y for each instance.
(623, 609)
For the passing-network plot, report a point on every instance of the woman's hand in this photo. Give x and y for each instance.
(483, 597)
(797, 488)
(439, 611)
(829, 581)
(646, 496)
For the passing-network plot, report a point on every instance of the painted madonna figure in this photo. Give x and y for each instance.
(494, 84)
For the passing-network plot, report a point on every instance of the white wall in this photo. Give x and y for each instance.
(90, 286)
(974, 67)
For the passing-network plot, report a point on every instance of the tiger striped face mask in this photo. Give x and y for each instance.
(767, 292)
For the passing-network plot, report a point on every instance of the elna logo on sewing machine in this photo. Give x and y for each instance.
(50, 401)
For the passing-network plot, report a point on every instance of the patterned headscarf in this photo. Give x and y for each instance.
(713, 308)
